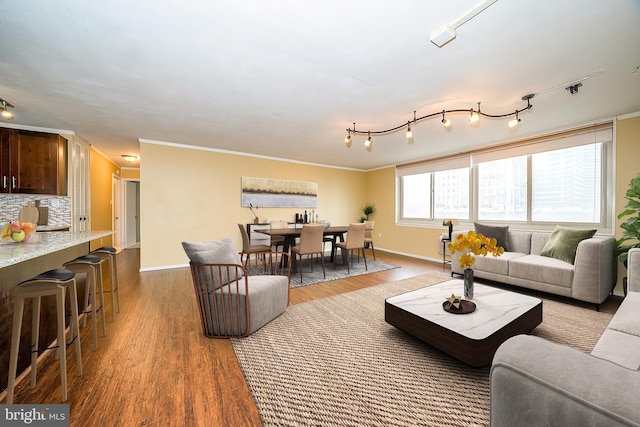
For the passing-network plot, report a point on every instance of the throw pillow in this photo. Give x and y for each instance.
(563, 243)
(501, 234)
(220, 251)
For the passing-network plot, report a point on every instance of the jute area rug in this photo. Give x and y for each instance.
(336, 362)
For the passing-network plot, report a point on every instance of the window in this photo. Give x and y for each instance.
(451, 194)
(566, 185)
(416, 196)
(502, 189)
(565, 178)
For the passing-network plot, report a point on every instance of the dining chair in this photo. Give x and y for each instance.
(310, 243)
(354, 240)
(278, 240)
(368, 237)
(248, 248)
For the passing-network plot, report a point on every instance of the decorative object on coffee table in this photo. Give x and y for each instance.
(473, 244)
(456, 305)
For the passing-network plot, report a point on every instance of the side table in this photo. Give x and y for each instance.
(444, 241)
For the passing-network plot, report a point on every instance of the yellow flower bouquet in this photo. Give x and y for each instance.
(474, 244)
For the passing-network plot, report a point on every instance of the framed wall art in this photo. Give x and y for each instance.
(278, 193)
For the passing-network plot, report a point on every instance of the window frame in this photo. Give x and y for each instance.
(607, 190)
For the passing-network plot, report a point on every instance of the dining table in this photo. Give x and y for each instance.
(290, 234)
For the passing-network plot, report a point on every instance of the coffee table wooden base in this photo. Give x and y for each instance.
(472, 350)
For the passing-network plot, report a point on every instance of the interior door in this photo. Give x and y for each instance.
(133, 213)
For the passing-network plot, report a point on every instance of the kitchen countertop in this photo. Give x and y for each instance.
(43, 243)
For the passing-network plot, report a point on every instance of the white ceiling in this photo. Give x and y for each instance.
(286, 78)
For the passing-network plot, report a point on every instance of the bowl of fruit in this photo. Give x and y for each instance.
(17, 231)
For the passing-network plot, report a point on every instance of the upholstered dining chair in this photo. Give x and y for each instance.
(368, 237)
(310, 244)
(355, 240)
(248, 248)
(278, 240)
(234, 300)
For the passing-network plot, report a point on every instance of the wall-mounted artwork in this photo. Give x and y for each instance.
(278, 193)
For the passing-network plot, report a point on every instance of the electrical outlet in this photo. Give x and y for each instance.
(379, 234)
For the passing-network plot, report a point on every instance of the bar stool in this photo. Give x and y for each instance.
(53, 282)
(109, 253)
(91, 265)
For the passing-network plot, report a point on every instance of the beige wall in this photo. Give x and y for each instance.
(194, 195)
(101, 171)
(127, 173)
(627, 167)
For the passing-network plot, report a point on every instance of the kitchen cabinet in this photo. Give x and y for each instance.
(32, 162)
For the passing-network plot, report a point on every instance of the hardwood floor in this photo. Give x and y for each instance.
(155, 367)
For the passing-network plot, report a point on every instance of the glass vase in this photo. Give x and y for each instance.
(468, 283)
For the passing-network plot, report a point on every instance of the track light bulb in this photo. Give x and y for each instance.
(368, 142)
(409, 132)
(514, 122)
(347, 140)
(474, 117)
(7, 114)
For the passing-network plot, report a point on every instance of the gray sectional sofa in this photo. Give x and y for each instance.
(535, 382)
(591, 278)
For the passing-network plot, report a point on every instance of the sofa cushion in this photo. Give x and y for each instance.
(501, 234)
(627, 319)
(496, 265)
(542, 269)
(520, 241)
(619, 348)
(563, 243)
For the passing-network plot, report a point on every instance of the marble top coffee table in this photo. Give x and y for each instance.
(471, 338)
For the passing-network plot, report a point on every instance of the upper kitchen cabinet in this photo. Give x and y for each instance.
(33, 162)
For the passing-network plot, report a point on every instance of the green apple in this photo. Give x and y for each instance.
(18, 236)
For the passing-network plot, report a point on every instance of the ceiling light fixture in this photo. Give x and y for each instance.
(574, 88)
(514, 122)
(409, 131)
(474, 114)
(130, 157)
(368, 142)
(445, 122)
(4, 111)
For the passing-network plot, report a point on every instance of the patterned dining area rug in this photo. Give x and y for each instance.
(357, 268)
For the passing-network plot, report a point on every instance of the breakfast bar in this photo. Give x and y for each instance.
(22, 261)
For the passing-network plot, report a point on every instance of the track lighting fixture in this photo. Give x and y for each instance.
(474, 117)
(4, 105)
(368, 142)
(445, 122)
(574, 88)
(409, 132)
(515, 121)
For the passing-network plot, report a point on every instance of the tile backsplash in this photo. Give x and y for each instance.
(59, 208)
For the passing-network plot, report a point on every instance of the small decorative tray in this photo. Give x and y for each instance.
(466, 307)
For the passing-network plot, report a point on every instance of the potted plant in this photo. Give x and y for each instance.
(256, 218)
(473, 244)
(367, 209)
(631, 226)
